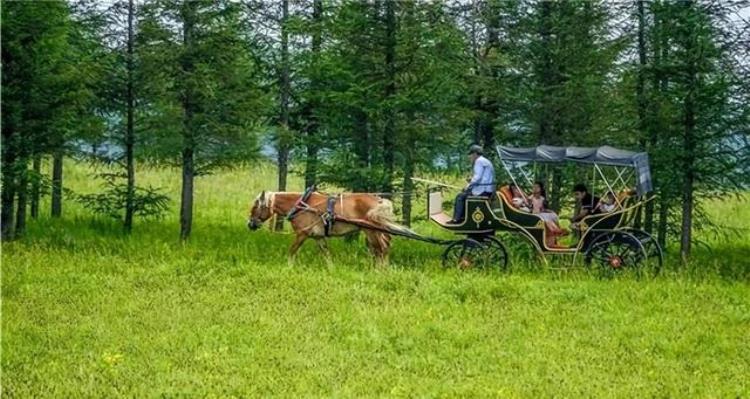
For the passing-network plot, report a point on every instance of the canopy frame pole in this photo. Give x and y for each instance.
(604, 178)
(526, 175)
(507, 170)
(593, 185)
(620, 176)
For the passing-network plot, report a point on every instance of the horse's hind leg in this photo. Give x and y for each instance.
(379, 244)
(323, 245)
(385, 247)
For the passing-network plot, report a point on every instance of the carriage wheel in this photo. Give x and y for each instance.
(650, 245)
(617, 252)
(487, 253)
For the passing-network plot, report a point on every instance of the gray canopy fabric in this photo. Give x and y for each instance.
(602, 155)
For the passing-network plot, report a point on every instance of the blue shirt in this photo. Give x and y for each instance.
(483, 180)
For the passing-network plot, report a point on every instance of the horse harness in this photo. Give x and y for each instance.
(328, 217)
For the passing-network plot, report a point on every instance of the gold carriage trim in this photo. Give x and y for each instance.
(477, 216)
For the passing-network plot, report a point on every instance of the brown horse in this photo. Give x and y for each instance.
(309, 218)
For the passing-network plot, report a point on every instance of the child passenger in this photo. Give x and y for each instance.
(608, 203)
(519, 200)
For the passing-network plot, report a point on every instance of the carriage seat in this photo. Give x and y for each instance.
(522, 218)
(505, 192)
(502, 194)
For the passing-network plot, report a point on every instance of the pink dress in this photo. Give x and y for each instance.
(537, 205)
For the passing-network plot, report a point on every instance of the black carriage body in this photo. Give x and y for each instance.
(485, 216)
(599, 232)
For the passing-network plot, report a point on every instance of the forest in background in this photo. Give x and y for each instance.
(366, 94)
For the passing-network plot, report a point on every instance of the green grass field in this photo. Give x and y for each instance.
(88, 312)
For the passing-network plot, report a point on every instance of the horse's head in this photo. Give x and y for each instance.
(261, 210)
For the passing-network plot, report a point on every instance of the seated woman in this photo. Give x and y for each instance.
(519, 200)
(551, 221)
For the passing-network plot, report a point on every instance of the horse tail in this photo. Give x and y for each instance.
(382, 213)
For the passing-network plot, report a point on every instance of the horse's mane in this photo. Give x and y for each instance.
(268, 197)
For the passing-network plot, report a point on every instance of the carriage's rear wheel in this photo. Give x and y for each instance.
(653, 250)
(485, 253)
(617, 252)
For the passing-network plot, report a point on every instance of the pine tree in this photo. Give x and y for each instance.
(197, 77)
(45, 93)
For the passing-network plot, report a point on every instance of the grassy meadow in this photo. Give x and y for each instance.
(89, 312)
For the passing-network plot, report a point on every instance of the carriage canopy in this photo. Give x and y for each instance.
(604, 155)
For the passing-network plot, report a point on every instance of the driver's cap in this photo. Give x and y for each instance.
(476, 149)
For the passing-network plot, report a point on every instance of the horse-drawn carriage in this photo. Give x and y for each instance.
(607, 239)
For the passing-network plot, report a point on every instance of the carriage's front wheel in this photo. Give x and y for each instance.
(486, 253)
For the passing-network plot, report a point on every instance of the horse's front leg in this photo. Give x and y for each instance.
(323, 246)
(298, 241)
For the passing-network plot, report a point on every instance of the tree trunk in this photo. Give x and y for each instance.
(8, 161)
(408, 184)
(36, 191)
(283, 160)
(687, 217)
(22, 189)
(475, 53)
(8, 213)
(654, 112)
(188, 134)
(689, 177)
(284, 94)
(545, 114)
(489, 109)
(186, 198)
(57, 183)
(641, 93)
(663, 221)
(661, 52)
(688, 153)
(478, 121)
(550, 128)
(648, 217)
(129, 133)
(488, 138)
(362, 152)
(389, 134)
(311, 163)
(8, 192)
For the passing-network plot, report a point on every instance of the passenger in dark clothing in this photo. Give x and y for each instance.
(588, 203)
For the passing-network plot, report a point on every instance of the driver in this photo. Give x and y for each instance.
(481, 184)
